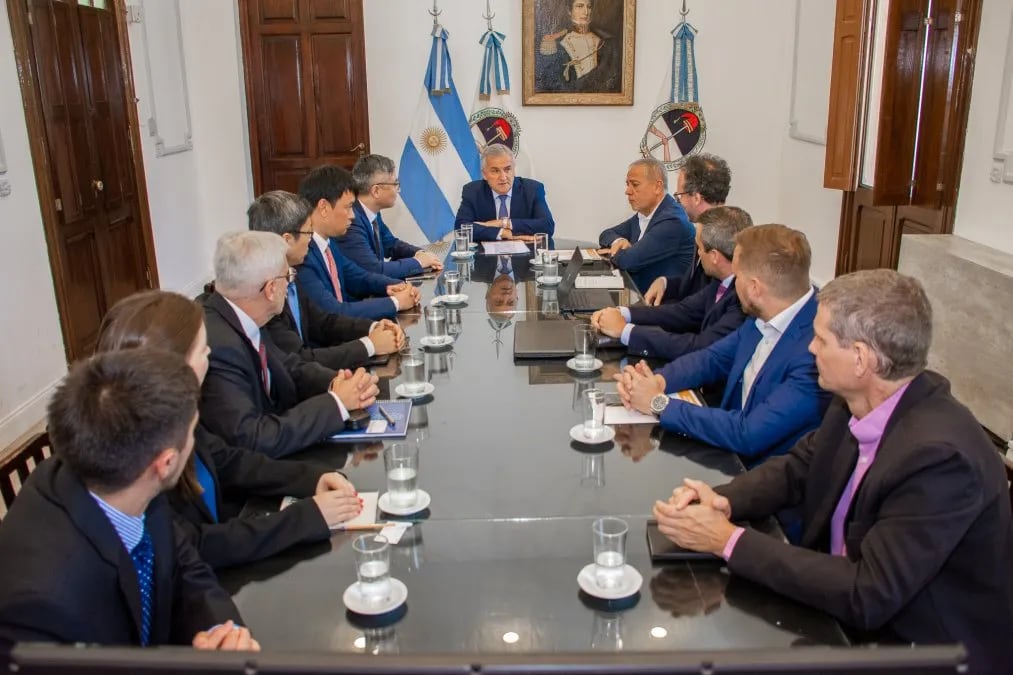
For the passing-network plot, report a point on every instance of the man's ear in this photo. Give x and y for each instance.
(165, 463)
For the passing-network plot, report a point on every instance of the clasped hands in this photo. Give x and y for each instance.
(695, 517)
(337, 499)
(637, 385)
(407, 296)
(356, 390)
(387, 337)
(609, 321)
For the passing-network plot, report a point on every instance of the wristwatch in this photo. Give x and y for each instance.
(659, 403)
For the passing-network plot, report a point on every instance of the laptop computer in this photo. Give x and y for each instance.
(552, 339)
(573, 299)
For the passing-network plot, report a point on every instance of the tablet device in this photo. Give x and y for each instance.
(663, 549)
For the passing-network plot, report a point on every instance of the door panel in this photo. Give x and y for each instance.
(322, 10)
(279, 10)
(332, 88)
(83, 279)
(284, 127)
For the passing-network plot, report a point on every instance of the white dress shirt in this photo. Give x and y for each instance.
(771, 331)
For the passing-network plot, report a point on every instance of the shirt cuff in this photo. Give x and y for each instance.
(732, 541)
(625, 311)
(397, 307)
(341, 406)
(664, 283)
(370, 349)
(624, 337)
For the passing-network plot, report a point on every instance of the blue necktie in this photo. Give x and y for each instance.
(143, 556)
(503, 207)
(208, 483)
(293, 305)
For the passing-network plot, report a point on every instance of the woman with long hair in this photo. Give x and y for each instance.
(169, 321)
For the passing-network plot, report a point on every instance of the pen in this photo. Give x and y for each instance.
(355, 528)
(386, 416)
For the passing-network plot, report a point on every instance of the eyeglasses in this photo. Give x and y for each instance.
(309, 232)
(679, 194)
(289, 277)
(395, 184)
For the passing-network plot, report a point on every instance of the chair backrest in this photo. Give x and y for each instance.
(15, 468)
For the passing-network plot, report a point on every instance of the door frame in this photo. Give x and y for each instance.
(31, 99)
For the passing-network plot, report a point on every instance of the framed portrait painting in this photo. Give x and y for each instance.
(578, 52)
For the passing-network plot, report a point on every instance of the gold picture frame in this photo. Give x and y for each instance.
(578, 52)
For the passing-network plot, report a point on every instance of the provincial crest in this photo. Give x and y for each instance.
(677, 130)
(495, 125)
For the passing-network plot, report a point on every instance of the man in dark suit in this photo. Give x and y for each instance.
(658, 240)
(369, 242)
(332, 281)
(771, 397)
(703, 183)
(700, 320)
(88, 552)
(503, 206)
(302, 328)
(907, 535)
(255, 395)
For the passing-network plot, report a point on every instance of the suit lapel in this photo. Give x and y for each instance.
(159, 526)
(314, 258)
(750, 338)
(491, 206)
(792, 334)
(517, 198)
(842, 465)
(221, 305)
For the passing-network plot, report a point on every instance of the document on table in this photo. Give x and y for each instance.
(617, 414)
(589, 255)
(614, 280)
(366, 517)
(504, 247)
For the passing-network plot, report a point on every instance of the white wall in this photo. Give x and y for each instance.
(984, 208)
(744, 52)
(33, 356)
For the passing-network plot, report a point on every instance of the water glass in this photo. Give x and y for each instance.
(594, 413)
(468, 230)
(436, 322)
(585, 345)
(372, 567)
(413, 369)
(452, 282)
(550, 268)
(461, 244)
(609, 551)
(401, 461)
(541, 244)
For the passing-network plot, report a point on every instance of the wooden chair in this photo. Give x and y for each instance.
(15, 468)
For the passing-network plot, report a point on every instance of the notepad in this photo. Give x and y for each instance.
(614, 280)
(366, 517)
(379, 427)
(617, 414)
(504, 247)
(589, 255)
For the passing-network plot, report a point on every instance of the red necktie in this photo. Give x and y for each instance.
(333, 269)
(722, 289)
(265, 376)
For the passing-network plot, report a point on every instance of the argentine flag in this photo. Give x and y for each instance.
(440, 155)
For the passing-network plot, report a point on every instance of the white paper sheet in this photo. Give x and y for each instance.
(504, 247)
(617, 414)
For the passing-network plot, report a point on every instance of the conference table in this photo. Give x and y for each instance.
(491, 566)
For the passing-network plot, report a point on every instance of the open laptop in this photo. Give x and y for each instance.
(573, 299)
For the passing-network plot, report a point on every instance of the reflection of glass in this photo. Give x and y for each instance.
(418, 423)
(441, 366)
(410, 548)
(454, 321)
(609, 550)
(592, 472)
(549, 298)
(465, 269)
(607, 633)
(688, 592)
(381, 640)
(580, 388)
(541, 244)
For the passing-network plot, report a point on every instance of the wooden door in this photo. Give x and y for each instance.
(76, 100)
(305, 86)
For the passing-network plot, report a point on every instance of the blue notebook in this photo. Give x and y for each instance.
(379, 427)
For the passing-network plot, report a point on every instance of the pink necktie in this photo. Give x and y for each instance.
(264, 376)
(333, 269)
(722, 289)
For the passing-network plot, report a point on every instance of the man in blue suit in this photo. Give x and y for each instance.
(330, 280)
(698, 321)
(772, 396)
(503, 206)
(659, 239)
(369, 242)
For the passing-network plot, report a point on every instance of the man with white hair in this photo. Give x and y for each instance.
(905, 510)
(501, 205)
(255, 395)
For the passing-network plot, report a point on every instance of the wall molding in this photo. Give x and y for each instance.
(167, 86)
(801, 125)
(1002, 150)
(15, 423)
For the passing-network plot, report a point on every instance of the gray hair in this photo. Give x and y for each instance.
(279, 212)
(495, 150)
(245, 260)
(718, 227)
(654, 168)
(885, 310)
(367, 168)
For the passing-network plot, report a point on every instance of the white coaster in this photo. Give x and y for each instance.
(461, 254)
(572, 365)
(422, 500)
(429, 341)
(629, 583)
(402, 390)
(354, 600)
(473, 245)
(548, 281)
(456, 299)
(606, 435)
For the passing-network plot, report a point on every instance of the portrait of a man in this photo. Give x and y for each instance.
(578, 52)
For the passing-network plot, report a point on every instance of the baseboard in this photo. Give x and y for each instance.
(25, 416)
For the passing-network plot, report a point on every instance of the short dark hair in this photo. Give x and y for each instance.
(720, 225)
(709, 176)
(113, 414)
(279, 212)
(328, 182)
(368, 166)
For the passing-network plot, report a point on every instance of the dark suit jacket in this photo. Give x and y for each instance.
(239, 473)
(67, 576)
(669, 331)
(355, 282)
(691, 281)
(529, 212)
(928, 534)
(784, 403)
(332, 340)
(359, 245)
(297, 413)
(665, 250)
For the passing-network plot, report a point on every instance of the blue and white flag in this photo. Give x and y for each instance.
(440, 155)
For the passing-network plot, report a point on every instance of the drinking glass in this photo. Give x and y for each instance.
(436, 322)
(461, 243)
(585, 345)
(372, 567)
(468, 230)
(413, 369)
(541, 244)
(401, 461)
(452, 282)
(609, 550)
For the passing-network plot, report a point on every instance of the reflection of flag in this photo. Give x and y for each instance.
(492, 120)
(439, 156)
